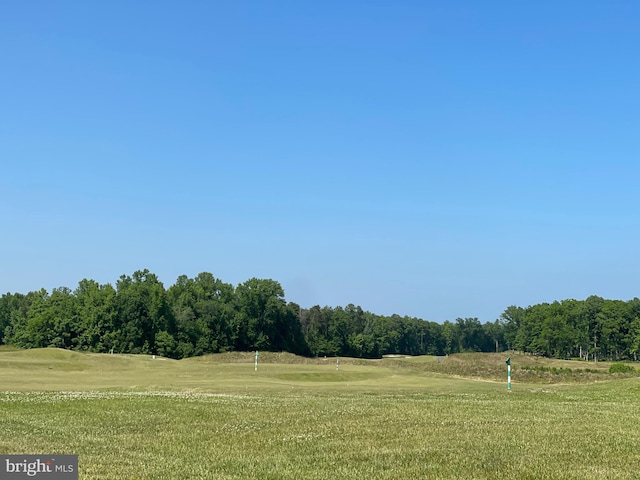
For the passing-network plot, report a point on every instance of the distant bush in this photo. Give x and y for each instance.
(621, 368)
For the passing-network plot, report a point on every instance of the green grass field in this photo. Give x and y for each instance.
(213, 417)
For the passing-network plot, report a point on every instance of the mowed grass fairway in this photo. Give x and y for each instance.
(134, 417)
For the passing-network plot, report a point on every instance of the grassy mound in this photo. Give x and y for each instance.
(524, 368)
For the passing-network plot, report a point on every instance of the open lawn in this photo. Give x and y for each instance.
(213, 417)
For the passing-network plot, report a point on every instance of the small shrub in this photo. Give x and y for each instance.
(621, 368)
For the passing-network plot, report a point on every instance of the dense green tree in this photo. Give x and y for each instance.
(203, 309)
(451, 336)
(315, 328)
(494, 333)
(95, 319)
(13, 314)
(142, 312)
(591, 308)
(6, 306)
(24, 331)
(634, 338)
(510, 322)
(264, 321)
(555, 337)
(471, 336)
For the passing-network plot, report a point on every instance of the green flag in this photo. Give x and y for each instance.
(508, 362)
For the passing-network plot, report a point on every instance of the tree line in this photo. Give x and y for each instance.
(201, 315)
(591, 329)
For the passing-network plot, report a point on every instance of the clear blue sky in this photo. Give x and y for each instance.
(432, 159)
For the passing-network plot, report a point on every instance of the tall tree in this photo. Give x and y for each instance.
(142, 312)
(263, 320)
(203, 308)
(95, 316)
